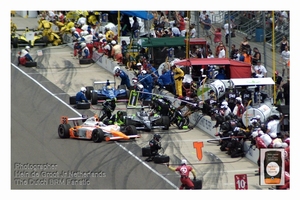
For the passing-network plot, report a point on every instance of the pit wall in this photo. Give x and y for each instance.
(205, 123)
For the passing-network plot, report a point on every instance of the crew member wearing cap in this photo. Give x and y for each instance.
(178, 77)
(239, 108)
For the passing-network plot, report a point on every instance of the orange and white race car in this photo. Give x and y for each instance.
(93, 129)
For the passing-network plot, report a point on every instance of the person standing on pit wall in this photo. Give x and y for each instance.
(124, 77)
(178, 77)
(184, 171)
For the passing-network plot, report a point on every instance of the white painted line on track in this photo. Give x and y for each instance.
(46, 89)
(141, 161)
(124, 148)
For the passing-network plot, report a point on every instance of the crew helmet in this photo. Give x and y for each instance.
(27, 47)
(83, 89)
(254, 134)
(83, 44)
(117, 69)
(156, 137)
(183, 162)
(113, 42)
(144, 72)
(239, 99)
(72, 29)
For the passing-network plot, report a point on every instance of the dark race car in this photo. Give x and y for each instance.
(147, 120)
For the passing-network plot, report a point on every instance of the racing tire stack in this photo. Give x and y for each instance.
(85, 61)
(161, 159)
(30, 64)
(146, 151)
(197, 184)
(72, 100)
(83, 105)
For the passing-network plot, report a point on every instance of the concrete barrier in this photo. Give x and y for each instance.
(205, 123)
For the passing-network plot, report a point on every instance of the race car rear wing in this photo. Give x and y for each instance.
(66, 119)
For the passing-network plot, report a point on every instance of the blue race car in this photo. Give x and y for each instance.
(103, 90)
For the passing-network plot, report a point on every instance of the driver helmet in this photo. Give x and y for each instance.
(183, 162)
(83, 89)
(117, 69)
(109, 87)
(156, 137)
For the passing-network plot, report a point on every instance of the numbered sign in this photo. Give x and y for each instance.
(241, 182)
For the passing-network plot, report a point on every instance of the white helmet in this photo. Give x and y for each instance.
(116, 69)
(144, 72)
(139, 64)
(83, 44)
(239, 99)
(27, 47)
(109, 87)
(72, 29)
(83, 89)
(85, 33)
(254, 134)
(113, 42)
(183, 162)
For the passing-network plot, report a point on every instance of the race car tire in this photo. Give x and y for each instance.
(121, 87)
(72, 100)
(63, 130)
(165, 122)
(30, 64)
(97, 135)
(83, 105)
(130, 130)
(197, 184)
(146, 151)
(45, 40)
(129, 122)
(186, 121)
(94, 99)
(15, 42)
(88, 93)
(85, 61)
(161, 159)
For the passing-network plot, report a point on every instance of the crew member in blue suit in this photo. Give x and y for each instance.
(147, 81)
(166, 81)
(80, 96)
(124, 77)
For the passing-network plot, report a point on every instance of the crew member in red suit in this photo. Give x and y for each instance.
(259, 143)
(184, 171)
